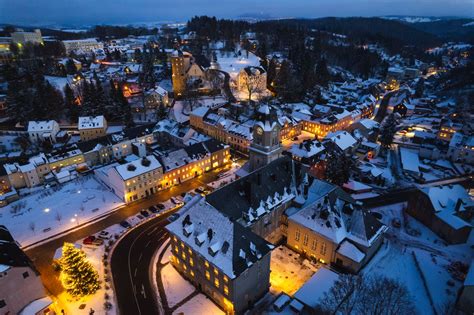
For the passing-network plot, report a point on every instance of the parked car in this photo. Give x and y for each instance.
(145, 213)
(173, 217)
(161, 206)
(175, 200)
(199, 190)
(92, 240)
(125, 224)
(104, 235)
(153, 209)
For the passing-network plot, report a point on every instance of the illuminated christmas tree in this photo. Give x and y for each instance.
(78, 276)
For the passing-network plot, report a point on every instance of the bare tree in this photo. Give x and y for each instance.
(253, 83)
(376, 295)
(215, 80)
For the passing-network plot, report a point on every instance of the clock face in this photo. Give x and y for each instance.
(259, 131)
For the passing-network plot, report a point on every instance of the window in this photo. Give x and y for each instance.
(226, 290)
(314, 244)
(216, 282)
(216, 272)
(191, 262)
(191, 273)
(25, 274)
(208, 275)
(297, 235)
(226, 279)
(305, 240)
(206, 263)
(323, 249)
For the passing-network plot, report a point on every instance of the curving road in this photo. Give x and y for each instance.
(131, 265)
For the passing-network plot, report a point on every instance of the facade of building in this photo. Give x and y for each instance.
(224, 260)
(40, 131)
(328, 226)
(82, 45)
(21, 38)
(461, 148)
(180, 63)
(133, 180)
(20, 283)
(91, 127)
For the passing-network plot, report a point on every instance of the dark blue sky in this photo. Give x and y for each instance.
(128, 11)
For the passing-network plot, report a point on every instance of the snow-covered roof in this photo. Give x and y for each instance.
(200, 111)
(91, 122)
(42, 125)
(356, 186)
(342, 139)
(307, 149)
(369, 123)
(410, 160)
(138, 167)
(314, 289)
(223, 243)
(447, 201)
(350, 251)
(36, 306)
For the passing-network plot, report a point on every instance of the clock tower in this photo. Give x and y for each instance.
(265, 146)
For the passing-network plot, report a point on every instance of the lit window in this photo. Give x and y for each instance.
(208, 275)
(191, 273)
(297, 235)
(226, 279)
(226, 290)
(216, 282)
(191, 261)
(183, 255)
(216, 272)
(206, 263)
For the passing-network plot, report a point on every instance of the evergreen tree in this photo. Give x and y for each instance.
(70, 105)
(161, 113)
(78, 276)
(387, 130)
(322, 72)
(338, 167)
(102, 100)
(70, 66)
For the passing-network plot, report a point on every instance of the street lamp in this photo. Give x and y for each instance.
(46, 210)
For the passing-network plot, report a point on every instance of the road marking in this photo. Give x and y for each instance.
(152, 231)
(143, 291)
(140, 257)
(148, 243)
(135, 273)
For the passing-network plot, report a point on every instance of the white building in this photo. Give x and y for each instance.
(91, 127)
(461, 148)
(134, 180)
(82, 45)
(44, 130)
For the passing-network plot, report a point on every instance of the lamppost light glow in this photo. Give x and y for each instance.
(46, 210)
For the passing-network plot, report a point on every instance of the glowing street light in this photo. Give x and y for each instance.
(46, 210)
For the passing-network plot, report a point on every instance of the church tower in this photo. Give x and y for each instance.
(178, 71)
(265, 146)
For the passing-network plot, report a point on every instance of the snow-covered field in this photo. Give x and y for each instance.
(199, 305)
(176, 287)
(54, 210)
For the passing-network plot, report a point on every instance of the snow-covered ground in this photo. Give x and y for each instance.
(232, 63)
(199, 305)
(289, 271)
(54, 210)
(396, 259)
(176, 287)
(226, 177)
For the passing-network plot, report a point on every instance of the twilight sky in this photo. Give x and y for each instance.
(128, 11)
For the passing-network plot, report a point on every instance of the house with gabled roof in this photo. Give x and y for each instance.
(447, 210)
(328, 225)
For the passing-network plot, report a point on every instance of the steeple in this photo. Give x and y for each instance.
(266, 145)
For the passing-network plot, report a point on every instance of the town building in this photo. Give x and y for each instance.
(224, 260)
(252, 80)
(20, 282)
(87, 45)
(21, 37)
(329, 226)
(192, 161)
(134, 180)
(92, 127)
(461, 148)
(447, 210)
(185, 71)
(466, 297)
(155, 97)
(41, 131)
